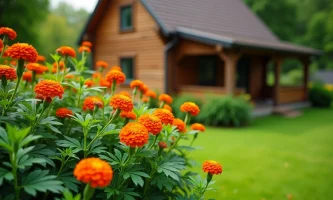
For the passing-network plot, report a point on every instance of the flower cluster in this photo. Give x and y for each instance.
(130, 127)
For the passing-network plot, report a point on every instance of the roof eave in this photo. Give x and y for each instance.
(84, 31)
(150, 10)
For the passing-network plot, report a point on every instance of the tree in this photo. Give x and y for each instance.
(280, 16)
(61, 27)
(24, 17)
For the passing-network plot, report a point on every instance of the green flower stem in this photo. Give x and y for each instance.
(88, 192)
(58, 70)
(4, 45)
(194, 137)
(187, 118)
(152, 144)
(79, 99)
(114, 116)
(209, 179)
(63, 163)
(36, 122)
(174, 144)
(113, 87)
(134, 93)
(85, 147)
(162, 104)
(64, 72)
(19, 72)
(148, 180)
(140, 99)
(13, 161)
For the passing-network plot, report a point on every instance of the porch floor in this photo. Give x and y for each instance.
(264, 108)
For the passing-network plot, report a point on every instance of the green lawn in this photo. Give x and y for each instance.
(272, 158)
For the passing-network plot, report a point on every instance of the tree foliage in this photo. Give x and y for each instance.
(24, 17)
(305, 22)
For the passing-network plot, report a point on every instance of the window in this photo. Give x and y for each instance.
(126, 20)
(207, 70)
(127, 66)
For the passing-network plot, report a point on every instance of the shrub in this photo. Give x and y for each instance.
(179, 100)
(320, 96)
(226, 111)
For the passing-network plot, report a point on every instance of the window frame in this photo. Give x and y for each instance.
(126, 29)
(200, 60)
(133, 67)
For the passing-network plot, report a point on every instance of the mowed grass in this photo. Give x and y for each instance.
(273, 158)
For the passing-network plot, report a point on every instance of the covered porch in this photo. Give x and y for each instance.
(200, 70)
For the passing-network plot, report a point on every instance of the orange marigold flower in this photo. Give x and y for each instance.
(122, 102)
(70, 76)
(165, 115)
(152, 123)
(8, 72)
(87, 44)
(136, 84)
(180, 124)
(61, 65)
(125, 93)
(151, 94)
(212, 167)
(96, 75)
(144, 88)
(84, 48)
(190, 107)
(63, 112)
(36, 67)
(104, 83)
(162, 145)
(66, 51)
(88, 83)
(166, 106)
(13, 62)
(94, 171)
(90, 102)
(115, 75)
(128, 115)
(27, 76)
(49, 89)
(145, 99)
(134, 135)
(9, 32)
(166, 98)
(102, 64)
(198, 127)
(22, 51)
(116, 68)
(40, 58)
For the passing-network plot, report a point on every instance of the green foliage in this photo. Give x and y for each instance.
(226, 111)
(61, 27)
(24, 17)
(179, 100)
(319, 96)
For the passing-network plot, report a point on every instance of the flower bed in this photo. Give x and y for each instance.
(67, 136)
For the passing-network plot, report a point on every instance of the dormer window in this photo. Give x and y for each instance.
(126, 18)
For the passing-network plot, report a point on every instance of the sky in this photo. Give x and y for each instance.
(89, 5)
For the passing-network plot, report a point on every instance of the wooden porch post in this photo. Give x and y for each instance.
(306, 63)
(230, 63)
(277, 71)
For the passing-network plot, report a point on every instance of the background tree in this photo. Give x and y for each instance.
(24, 16)
(62, 27)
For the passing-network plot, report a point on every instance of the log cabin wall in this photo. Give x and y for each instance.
(144, 43)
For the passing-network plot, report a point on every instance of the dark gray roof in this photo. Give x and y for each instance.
(323, 76)
(226, 22)
(223, 20)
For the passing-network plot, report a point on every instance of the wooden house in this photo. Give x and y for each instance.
(194, 46)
